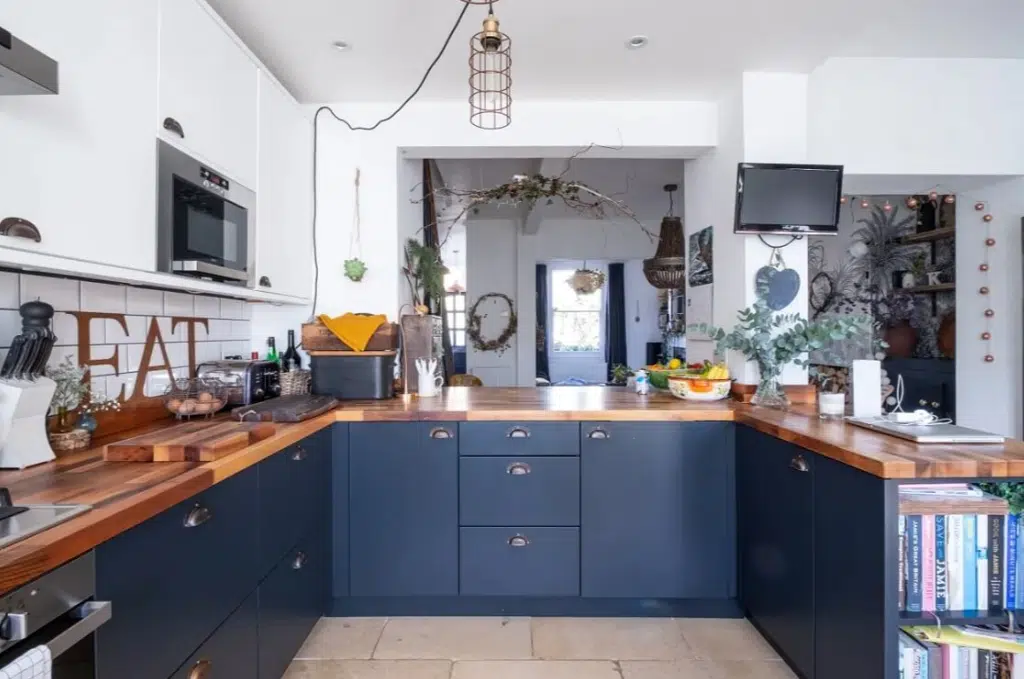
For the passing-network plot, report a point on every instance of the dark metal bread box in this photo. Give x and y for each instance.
(350, 375)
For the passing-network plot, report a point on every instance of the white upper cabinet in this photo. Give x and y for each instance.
(81, 165)
(284, 244)
(208, 85)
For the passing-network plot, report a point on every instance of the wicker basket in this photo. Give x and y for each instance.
(64, 441)
(295, 382)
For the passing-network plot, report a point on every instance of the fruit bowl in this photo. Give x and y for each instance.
(699, 389)
(659, 378)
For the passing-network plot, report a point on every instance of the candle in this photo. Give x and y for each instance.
(831, 406)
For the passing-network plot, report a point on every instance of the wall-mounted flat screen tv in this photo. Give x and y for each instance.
(788, 199)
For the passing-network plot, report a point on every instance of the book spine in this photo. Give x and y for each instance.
(935, 662)
(901, 582)
(996, 524)
(914, 563)
(941, 573)
(970, 563)
(982, 563)
(919, 665)
(928, 562)
(1011, 562)
(972, 663)
(984, 664)
(1018, 666)
(946, 668)
(955, 561)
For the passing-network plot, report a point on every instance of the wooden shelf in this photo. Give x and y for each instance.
(927, 236)
(978, 617)
(924, 289)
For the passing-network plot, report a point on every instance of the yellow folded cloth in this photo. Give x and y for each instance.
(354, 330)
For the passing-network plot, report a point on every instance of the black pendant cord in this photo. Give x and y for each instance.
(371, 128)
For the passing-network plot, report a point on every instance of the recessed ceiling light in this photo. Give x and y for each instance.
(637, 42)
(341, 45)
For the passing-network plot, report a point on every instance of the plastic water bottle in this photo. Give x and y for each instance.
(643, 384)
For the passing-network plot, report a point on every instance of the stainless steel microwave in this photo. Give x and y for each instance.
(205, 221)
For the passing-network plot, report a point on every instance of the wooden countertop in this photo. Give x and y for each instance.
(124, 494)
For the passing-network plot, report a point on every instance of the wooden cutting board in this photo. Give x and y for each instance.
(189, 442)
(285, 409)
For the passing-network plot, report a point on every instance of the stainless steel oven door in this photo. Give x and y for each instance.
(205, 220)
(70, 639)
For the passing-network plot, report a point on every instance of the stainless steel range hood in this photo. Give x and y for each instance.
(24, 69)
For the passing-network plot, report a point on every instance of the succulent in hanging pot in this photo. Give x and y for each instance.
(586, 281)
(355, 269)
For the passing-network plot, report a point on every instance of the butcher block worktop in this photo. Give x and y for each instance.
(124, 494)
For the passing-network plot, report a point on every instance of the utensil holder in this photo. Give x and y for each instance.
(24, 406)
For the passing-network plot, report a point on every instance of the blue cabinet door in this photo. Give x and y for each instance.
(338, 525)
(403, 509)
(230, 652)
(657, 510)
(775, 481)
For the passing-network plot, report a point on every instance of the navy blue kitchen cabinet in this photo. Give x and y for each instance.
(229, 653)
(657, 510)
(339, 512)
(403, 509)
(519, 438)
(174, 578)
(519, 491)
(775, 482)
(522, 561)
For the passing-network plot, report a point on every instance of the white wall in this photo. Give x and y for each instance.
(642, 301)
(490, 257)
(918, 116)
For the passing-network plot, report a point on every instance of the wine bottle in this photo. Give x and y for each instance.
(291, 357)
(271, 349)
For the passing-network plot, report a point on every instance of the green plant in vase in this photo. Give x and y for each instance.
(70, 391)
(774, 340)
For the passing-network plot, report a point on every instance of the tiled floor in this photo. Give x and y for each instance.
(536, 648)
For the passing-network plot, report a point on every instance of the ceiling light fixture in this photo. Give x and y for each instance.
(490, 75)
(637, 42)
(341, 45)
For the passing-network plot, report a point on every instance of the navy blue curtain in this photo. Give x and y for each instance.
(543, 370)
(615, 325)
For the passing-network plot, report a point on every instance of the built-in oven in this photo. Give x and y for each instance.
(57, 611)
(205, 221)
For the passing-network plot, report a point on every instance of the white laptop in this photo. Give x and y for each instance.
(927, 433)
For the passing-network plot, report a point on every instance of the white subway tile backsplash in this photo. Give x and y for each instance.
(240, 330)
(10, 290)
(232, 308)
(177, 353)
(144, 301)
(103, 297)
(102, 370)
(130, 357)
(114, 332)
(10, 326)
(178, 304)
(207, 307)
(60, 353)
(207, 351)
(180, 333)
(61, 293)
(65, 327)
(220, 330)
(115, 382)
(234, 349)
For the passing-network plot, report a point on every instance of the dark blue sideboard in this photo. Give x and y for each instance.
(229, 582)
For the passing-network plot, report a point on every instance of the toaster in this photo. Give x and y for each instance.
(247, 382)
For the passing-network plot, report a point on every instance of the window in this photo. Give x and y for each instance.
(455, 307)
(575, 319)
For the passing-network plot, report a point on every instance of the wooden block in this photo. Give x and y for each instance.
(317, 337)
(203, 441)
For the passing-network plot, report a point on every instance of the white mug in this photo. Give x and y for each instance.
(429, 383)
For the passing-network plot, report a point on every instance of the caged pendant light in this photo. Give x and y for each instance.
(490, 74)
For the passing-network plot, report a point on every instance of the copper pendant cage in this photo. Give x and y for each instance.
(490, 76)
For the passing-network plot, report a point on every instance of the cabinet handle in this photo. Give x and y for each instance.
(300, 454)
(172, 125)
(518, 541)
(440, 433)
(798, 463)
(518, 433)
(201, 670)
(935, 404)
(299, 561)
(598, 434)
(16, 227)
(922, 402)
(518, 469)
(265, 282)
(198, 516)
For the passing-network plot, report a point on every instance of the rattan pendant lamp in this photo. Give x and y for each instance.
(667, 269)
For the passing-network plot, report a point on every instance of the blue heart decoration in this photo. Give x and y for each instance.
(777, 287)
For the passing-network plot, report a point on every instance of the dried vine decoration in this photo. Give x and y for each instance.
(474, 320)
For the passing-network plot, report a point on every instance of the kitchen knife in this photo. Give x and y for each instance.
(29, 353)
(17, 344)
(46, 348)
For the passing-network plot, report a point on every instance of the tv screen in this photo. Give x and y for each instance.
(788, 199)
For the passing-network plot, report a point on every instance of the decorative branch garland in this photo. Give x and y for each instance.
(473, 322)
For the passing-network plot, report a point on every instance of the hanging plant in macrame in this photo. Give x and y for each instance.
(355, 268)
(586, 281)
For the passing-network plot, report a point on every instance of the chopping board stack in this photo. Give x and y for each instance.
(189, 442)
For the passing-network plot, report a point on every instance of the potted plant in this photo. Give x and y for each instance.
(892, 315)
(774, 340)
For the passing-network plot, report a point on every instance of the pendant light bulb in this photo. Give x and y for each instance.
(490, 76)
(490, 41)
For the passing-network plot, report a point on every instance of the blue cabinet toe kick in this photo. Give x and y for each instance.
(537, 607)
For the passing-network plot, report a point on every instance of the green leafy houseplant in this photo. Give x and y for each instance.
(775, 340)
(1009, 491)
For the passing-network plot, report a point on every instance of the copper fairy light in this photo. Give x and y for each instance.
(490, 75)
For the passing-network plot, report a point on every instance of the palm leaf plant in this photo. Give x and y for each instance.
(884, 254)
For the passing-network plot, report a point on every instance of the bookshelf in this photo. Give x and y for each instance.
(929, 236)
(977, 617)
(925, 289)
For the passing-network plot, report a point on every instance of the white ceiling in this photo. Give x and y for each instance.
(575, 48)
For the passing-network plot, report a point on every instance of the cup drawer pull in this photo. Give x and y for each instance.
(598, 434)
(518, 469)
(198, 516)
(201, 670)
(299, 561)
(799, 464)
(300, 454)
(440, 433)
(518, 433)
(518, 541)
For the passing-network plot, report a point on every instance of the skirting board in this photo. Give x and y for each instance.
(537, 607)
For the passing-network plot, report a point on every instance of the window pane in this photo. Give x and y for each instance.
(460, 338)
(564, 298)
(576, 331)
(460, 303)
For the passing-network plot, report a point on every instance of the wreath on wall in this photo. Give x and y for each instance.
(474, 320)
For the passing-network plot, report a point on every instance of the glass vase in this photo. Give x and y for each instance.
(770, 393)
(63, 422)
(87, 421)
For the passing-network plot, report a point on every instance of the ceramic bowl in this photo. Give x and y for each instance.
(695, 389)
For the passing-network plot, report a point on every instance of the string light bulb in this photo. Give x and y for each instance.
(949, 200)
(933, 195)
(912, 202)
(987, 218)
(864, 203)
(887, 207)
(843, 200)
(979, 206)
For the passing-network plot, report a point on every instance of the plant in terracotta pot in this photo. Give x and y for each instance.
(892, 314)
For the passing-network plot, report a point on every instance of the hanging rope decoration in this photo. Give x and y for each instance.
(474, 321)
(355, 267)
(989, 314)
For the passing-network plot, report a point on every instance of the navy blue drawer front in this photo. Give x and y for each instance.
(521, 561)
(519, 491)
(229, 653)
(519, 438)
(176, 577)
